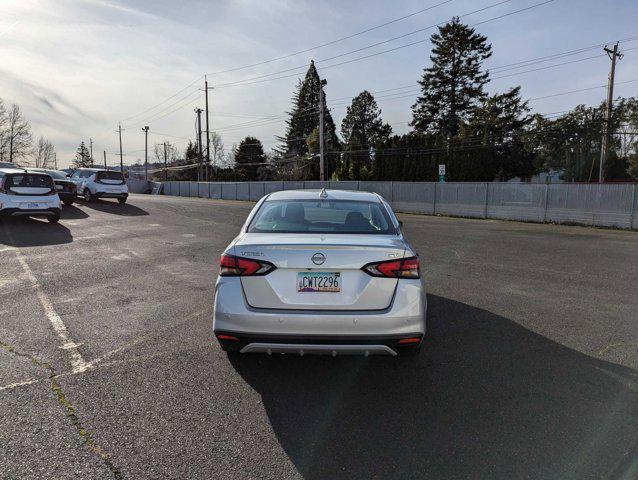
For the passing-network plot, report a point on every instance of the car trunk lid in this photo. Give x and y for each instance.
(298, 255)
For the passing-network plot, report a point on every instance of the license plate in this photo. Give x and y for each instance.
(318, 282)
(32, 206)
(59, 187)
(111, 190)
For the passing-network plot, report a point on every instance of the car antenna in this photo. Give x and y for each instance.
(323, 193)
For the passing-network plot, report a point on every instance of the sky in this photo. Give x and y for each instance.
(77, 68)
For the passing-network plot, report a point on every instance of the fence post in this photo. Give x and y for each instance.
(487, 193)
(633, 210)
(546, 200)
(434, 204)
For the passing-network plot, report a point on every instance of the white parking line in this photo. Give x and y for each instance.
(77, 362)
(11, 386)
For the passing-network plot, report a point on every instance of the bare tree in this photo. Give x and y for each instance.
(217, 155)
(172, 153)
(18, 133)
(43, 153)
(3, 133)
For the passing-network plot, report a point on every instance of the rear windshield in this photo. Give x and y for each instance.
(321, 216)
(110, 176)
(56, 174)
(29, 180)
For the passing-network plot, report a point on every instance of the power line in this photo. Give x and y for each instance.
(189, 101)
(261, 78)
(332, 42)
(163, 101)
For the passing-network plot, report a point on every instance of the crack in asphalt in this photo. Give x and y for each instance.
(70, 410)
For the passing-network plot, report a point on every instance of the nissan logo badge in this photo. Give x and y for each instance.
(318, 258)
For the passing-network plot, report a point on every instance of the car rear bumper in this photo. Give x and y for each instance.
(111, 195)
(19, 212)
(320, 344)
(67, 195)
(326, 331)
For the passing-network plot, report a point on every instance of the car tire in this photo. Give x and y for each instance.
(121, 200)
(88, 197)
(54, 219)
(68, 201)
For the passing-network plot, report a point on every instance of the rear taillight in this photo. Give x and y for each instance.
(404, 268)
(232, 266)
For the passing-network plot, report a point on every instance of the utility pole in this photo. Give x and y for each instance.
(199, 143)
(322, 164)
(145, 130)
(104, 159)
(613, 54)
(121, 161)
(91, 149)
(165, 165)
(207, 129)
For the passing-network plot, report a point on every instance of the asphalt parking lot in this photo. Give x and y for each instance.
(108, 368)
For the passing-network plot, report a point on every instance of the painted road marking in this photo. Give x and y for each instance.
(67, 344)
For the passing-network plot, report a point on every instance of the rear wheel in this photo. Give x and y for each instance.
(54, 219)
(68, 201)
(87, 195)
(121, 200)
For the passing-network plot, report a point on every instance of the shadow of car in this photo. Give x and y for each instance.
(487, 399)
(29, 232)
(113, 207)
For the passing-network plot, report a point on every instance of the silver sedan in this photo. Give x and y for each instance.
(320, 272)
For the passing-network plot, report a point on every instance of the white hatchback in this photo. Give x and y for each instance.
(95, 183)
(30, 194)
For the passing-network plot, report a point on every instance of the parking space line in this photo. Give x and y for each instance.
(11, 386)
(68, 345)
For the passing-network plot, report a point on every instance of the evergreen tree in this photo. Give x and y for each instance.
(304, 118)
(249, 152)
(82, 157)
(191, 151)
(361, 129)
(453, 86)
(362, 123)
(492, 144)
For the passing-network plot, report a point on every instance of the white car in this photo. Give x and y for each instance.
(320, 272)
(95, 183)
(31, 194)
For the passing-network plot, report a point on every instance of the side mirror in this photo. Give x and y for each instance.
(401, 223)
(68, 175)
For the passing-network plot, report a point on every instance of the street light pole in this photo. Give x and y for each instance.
(145, 129)
(322, 172)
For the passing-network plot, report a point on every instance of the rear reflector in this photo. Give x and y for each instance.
(407, 341)
(221, 336)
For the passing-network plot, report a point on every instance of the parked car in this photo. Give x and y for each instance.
(95, 183)
(64, 185)
(8, 165)
(32, 194)
(326, 272)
